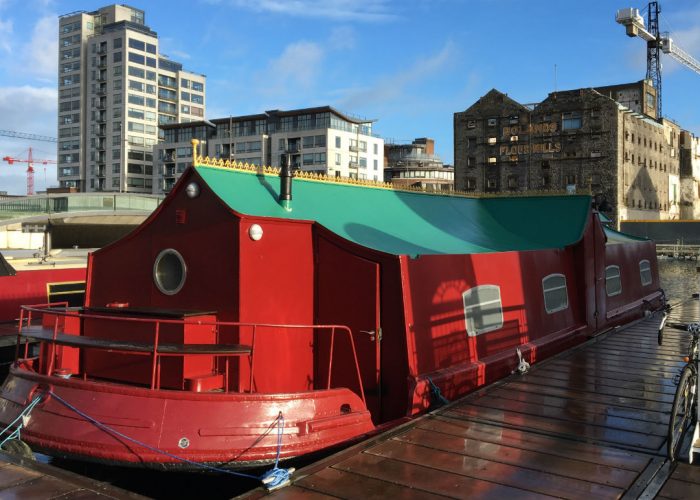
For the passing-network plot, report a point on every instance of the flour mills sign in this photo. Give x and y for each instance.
(538, 139)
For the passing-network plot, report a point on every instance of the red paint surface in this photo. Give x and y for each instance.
(30, 287)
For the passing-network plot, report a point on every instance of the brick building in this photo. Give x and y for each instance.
(583, 140)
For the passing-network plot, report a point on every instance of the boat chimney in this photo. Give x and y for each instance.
(286, 184)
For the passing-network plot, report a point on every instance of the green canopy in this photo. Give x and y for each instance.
(405, 222)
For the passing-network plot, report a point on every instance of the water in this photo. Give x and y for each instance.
(679, 278)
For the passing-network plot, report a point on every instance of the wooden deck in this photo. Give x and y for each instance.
(23, 479)
(589, 423)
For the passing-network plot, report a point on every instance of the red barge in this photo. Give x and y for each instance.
(342, 308)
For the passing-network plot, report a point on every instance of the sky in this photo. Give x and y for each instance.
(409, 64)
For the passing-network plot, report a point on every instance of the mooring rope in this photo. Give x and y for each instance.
(273, 479)
(16, 434)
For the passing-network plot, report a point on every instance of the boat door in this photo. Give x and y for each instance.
(347, 288)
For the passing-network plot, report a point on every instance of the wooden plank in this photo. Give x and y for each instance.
(687, 472)
(675, 488)
(430, 479)
(522, 439)
(587, 385)
(295, 492)
(11, 474)
(574, 411)
(503, 474)
(39, 487)
(574, 406)
(340, 483)
(573, 430)
(564, 392)
(564, 371)
(540, 461)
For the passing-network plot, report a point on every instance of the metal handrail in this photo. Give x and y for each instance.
(50, 308)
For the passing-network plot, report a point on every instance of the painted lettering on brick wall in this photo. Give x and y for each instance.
(531, 128)
(524, 149)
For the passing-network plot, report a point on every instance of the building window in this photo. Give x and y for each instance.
(571, 120)
(471, 123)
(512, 182)
(613, 282)
(555, 294)
(337, 141)
(491, 122)
(483, 310)
(471, 183)
(492, 140)
(471, 161)
(645, 272)
(492, 159)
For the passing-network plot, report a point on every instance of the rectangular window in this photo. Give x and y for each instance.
(613, 282)
(483, 310)
(198, 86)
(555, 294)
(337, 141)
(136, 58)
(571, 120)
(150, 48)
(136, 44)
(645, 272)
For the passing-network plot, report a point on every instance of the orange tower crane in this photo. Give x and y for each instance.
(30, 160)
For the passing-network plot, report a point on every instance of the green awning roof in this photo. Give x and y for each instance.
(404, 222)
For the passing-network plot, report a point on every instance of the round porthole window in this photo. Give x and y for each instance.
(169, 271)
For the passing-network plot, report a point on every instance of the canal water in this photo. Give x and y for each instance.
(679, 278)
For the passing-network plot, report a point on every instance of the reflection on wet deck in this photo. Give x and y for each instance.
(590, 423)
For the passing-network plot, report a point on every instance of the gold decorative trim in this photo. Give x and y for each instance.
(318, 177)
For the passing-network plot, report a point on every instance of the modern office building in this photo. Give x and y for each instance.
(320, 139)
(583, 140)
(114, 89)
(416, 165)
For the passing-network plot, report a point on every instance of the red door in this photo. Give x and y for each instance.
(348, 294)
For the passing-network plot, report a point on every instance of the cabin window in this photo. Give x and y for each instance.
(613, 283)
(483, 311)
(169, 271)
(556, 297)
(645, 272)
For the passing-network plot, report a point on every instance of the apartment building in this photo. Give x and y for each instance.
(320, 139)
(416, 165)
(114, 90)
(581, 140)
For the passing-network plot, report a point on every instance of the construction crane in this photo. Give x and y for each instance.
(657, 42)
(30, 137)
(30, 160)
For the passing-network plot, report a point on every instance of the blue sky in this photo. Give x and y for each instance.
(409, 64)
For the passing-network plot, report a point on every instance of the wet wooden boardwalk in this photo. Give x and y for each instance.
(24, 479)
(590, 423)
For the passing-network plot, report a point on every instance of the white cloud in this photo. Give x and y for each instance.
(392, 87)
(6, 35)
(294, 71)
(339, 10)
(15, 103)
(342, 38)
(40, 53)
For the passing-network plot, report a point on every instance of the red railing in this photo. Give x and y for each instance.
(60, 309)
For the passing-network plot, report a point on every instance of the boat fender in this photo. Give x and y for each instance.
(523, 366)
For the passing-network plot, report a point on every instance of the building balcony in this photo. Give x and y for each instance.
(354, 149)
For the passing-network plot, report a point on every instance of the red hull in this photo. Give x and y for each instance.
(233, 429)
